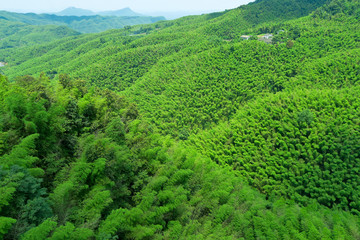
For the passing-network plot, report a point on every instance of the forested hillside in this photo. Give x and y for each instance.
(184, 130)
(83, 24)
(189, 35)
(79, 163)
(16, 34)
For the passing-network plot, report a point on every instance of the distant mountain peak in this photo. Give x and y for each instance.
(121, 12)
(74, 11)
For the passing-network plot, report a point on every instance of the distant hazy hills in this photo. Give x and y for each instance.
(73, 11)
(83, 24)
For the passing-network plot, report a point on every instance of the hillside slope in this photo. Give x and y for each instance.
(300, 145)
(81, 163)
(194, 33)
(216, 137)
(15, 34)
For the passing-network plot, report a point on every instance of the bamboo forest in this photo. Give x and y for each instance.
(240, 124)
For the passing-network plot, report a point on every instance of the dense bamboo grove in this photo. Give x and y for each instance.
(183, 130)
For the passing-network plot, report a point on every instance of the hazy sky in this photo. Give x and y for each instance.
(137, 5)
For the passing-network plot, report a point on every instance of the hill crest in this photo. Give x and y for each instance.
(74, 11)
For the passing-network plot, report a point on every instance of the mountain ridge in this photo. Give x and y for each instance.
(73, 11)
